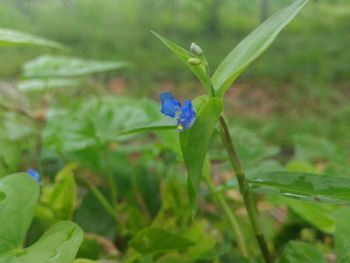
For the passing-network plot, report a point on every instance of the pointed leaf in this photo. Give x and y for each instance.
(304, 186)
(152, 126)
(250, 48)
(195, 141)
(154, 239)
(10, 37)
(184, 55)
(18, 196)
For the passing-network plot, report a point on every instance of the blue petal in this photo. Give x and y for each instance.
(34, 174)
(169, 104)
(187, 116)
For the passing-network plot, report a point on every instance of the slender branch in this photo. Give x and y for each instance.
(230, 216)
(248, 198)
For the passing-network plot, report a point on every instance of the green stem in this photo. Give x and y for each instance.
(210, 87)
(102, 200)
(244, 188)
(110, 178)
(230, 216)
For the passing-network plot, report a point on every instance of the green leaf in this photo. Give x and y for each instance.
(195, 142)
(82, 260)
(58, 245)
(10, 37)
(152, 126)
(184, 55)
(250, 48)
(49, 66)
(98, 120)
(18, 196)
(304, 186)
(342, 235)
(154, 239)
(89, 212)
(300, 252)
(317, 214)
(43, 84)
(62, 200)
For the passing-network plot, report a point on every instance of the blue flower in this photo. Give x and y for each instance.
(169, 104)
(34, 174)
(187, 116)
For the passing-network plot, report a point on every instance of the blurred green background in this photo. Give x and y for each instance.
(290, 110)
(301, 83)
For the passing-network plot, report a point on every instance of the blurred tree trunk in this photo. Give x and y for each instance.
(264, 10)
(214, 17)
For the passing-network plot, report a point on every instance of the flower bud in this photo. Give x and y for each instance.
(195, 49)
(194, 61)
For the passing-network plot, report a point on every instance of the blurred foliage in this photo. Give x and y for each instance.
(73, 114)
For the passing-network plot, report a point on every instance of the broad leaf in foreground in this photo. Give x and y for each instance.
(58, 245)
(250, 48)
(17, 210)
(18, 196)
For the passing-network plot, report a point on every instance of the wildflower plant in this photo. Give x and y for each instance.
(199, 118)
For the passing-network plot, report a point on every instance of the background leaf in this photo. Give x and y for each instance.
(250, 48)
(18, 196)
(10, 37)
(342, 235)
(50, 66)
(300, 252)
(62, 200)
(98, 120)
(304, 186)
(44, 84)
(317, 214)
(195, 141)
(153, 239)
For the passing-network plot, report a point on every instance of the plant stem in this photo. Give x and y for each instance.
(110, 178)
(229, 214)
(101, 199)
(244, 188)
(209, 84)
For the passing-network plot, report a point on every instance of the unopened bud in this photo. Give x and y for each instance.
(194, 61)
(195, 49)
